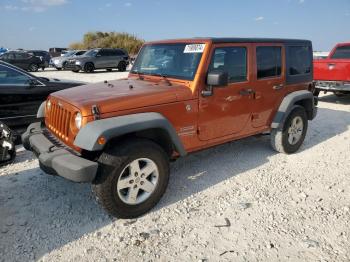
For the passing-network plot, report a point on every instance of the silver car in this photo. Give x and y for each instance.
(60, 62)
(100, 58)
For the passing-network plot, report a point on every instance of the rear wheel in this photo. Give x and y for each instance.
(122, 66)
(33, 67)
(289, 139)
(89, 67)
(58, 68)
(75, 71)
(132, 178)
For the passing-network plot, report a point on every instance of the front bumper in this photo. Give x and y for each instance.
(333, 86)
(57, 160)
(73, 67)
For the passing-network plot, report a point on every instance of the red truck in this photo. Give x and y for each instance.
(333, 73)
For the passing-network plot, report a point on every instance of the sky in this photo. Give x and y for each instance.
(40, 24)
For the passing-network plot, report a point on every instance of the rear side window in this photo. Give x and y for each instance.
(232, 60)
(342, 52)
(299, 60)
(269, 61)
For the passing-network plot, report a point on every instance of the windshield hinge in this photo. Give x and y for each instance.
(96, 112)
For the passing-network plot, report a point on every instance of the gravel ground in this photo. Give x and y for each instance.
(237, 202)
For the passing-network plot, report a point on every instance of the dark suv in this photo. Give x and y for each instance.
(43, 55)
(99, 58)
(23, 60)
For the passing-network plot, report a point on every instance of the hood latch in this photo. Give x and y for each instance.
(96, 112)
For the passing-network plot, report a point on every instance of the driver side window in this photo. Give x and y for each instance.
(9, 76)
(232, 60)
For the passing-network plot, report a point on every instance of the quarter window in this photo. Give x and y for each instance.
(9, 76)
(232, 60)
(269, 61)
(299, 60)
(342, 52)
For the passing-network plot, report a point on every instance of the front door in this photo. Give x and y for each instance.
(19, 101)
(269, 82)
(228, 110)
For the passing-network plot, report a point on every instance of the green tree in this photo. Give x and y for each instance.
(129, 42)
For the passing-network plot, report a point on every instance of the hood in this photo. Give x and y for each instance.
(125, 94)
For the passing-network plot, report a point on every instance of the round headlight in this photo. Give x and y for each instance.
(78, 119)
(48, 104)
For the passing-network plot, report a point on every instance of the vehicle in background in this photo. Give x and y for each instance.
(99, 58)
(333, 73)
(56, 51)
(181, 96)
(3, 50)
(60, 62)
(320, 55)
(43, 55)
(21, 94)
(22, 60)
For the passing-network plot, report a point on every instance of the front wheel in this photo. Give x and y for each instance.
(132, 178)
(289, 139)
(89, 68)
(122, 66)
(33, 67)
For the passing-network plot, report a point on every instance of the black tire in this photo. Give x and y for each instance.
(279, 137)
(7, 156)
(43, 68)
(316, 92)
(113, 162)
(122, 66)
(75, 71)
(109, 69)
(58, 68)
(64, 65)
(33, 67)
(89, 68)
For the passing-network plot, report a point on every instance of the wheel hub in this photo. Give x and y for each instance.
(138, 181)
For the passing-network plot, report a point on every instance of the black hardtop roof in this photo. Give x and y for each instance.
(254, 40)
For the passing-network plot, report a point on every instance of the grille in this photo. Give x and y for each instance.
(58, 121)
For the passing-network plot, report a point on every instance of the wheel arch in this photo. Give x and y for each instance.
(303, 98)
(151, 126)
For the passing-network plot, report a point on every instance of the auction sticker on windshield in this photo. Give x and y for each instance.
(194, 48)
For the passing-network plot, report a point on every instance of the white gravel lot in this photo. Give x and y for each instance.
(275, 207)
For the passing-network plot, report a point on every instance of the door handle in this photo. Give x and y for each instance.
(277, 87)
(246, 92)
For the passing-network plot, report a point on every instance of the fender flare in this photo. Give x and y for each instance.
(288, 104)
(41, 110)
(121, 125)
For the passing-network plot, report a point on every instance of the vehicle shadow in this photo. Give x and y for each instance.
(330, 98)
(35, 206)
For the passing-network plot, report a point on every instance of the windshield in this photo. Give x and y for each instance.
(69, 53)
(92, 52)
(172, 60)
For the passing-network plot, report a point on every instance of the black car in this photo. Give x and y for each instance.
(23, 60)
(21, 94)
(43, 55)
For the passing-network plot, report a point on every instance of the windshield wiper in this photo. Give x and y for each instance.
(138, 74)
(164, 77)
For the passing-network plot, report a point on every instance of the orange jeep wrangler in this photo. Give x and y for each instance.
(181, 96)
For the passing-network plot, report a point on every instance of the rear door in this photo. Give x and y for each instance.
(269, 82)
(228, 110)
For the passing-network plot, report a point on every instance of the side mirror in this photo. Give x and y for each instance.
(217, 78)
(33, 82)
